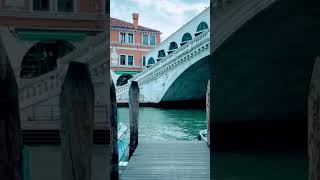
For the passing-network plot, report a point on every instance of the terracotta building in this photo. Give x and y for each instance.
(46, 30)
(129, 42)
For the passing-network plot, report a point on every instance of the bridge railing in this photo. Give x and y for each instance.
(51, 81)
(166, 61)
(92, 45)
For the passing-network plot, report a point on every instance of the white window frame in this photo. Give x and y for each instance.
(125, 38)
(132, 60)
(125, 60)
(51, 9)
(155, 43)
(132, 38)
(148, 41)
(75, 7)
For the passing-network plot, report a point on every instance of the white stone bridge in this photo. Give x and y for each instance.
(180, 70)
(181, 74)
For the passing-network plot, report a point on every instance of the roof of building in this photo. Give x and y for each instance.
(123, 24)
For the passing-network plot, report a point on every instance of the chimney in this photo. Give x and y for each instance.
(135, 17)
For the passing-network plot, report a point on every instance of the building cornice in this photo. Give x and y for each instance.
(133, 47)
(53, 15)
(134, 30)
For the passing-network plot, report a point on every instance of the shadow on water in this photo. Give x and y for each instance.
(259, 165)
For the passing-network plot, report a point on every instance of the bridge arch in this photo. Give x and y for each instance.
(42, 57)
(173, 46)
(201, 28)
(185, 38)
(123, 79)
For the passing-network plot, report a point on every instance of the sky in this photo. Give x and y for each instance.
(166, 16)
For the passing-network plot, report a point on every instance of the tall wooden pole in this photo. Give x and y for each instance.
(134, 95)
(208, 111)
(314, 123)
(10, 128)
(114, 134)
(77, 115)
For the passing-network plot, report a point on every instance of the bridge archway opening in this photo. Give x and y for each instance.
(123, 79)
(42, 57)
(172, 47)
(185, 38)
(161, 54)
(201, 28)
(151, 61)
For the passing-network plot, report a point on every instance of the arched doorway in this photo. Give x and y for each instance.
(201, 28)
(173, 46)
(42, 58)
(123, 79)
(151, 61)
(161, 54)
(185, 38)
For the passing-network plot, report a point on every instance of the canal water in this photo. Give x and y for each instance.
(185, 124)
(167, 124)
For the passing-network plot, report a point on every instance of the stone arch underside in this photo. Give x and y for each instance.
(191, 84)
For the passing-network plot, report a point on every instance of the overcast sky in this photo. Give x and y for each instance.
(166, 16)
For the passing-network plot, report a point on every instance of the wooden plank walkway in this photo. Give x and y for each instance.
(186, 160)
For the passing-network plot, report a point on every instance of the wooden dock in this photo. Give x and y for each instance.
(162, 160)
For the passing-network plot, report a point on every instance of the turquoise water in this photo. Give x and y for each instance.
(185, 124)
(167, 124)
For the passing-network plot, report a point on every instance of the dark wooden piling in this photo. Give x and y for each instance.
(114, 134)
(208, 111)
(314, 122)
(10, 127)
(134, 95)
(77, 115)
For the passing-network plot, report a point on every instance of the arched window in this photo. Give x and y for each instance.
(172, 47)
(161, 54)
(42, 58)
(123, 79)
(201, 27)
(185, 38)
(151, 61)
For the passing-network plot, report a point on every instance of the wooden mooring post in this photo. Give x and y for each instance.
(77, 115)
(134, 96)
(208, 111)
(10, 128)
(114, 134)
(314, 123)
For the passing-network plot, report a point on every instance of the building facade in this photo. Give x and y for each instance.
(46, 30)
(129, 43)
